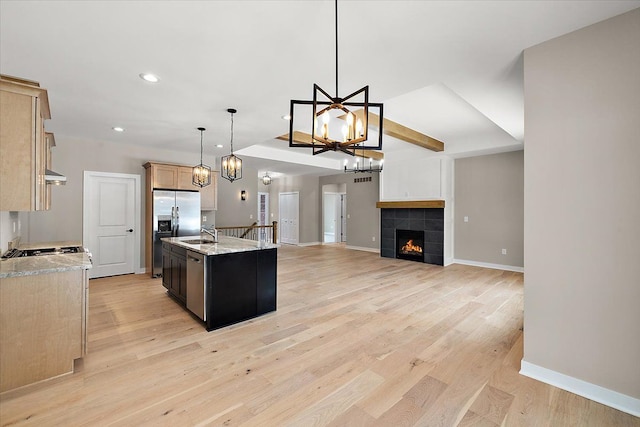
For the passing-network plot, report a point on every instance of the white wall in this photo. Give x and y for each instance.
(582, 211)
(409, 177)
(10, 228)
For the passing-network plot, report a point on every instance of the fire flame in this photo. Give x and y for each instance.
(410, 247)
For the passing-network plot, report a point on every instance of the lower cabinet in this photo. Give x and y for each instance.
(240, 286)
(43, 326)
(174, 271)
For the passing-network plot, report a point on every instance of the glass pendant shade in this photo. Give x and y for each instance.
(266, 179)
(231, 165)
(201, 174)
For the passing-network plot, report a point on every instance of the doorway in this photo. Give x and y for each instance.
(288, 217)
(111, 222)
(334, 213)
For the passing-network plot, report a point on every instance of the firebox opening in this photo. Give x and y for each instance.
(410, 245)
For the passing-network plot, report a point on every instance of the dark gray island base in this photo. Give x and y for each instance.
(221, 283)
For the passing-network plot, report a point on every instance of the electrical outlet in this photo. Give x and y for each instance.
(204, 218)
(250, 216)
(466, 219)
(271, 214)
(373, 238)
(504, 252)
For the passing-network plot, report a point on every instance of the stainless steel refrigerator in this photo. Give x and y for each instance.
(175, 214)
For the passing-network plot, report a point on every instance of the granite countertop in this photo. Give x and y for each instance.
(225, 245)
(27, 266)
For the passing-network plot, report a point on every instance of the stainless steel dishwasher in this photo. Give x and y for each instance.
(196, 281)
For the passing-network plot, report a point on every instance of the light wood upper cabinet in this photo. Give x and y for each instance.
(164, 176)
(178, 177)
(185, 178)
(24, 106)
(209, 194)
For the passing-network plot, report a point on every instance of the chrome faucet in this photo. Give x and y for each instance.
(213, 233)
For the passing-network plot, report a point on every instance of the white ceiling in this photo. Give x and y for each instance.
(452, 70)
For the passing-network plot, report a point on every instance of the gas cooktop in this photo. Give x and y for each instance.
(17, 253)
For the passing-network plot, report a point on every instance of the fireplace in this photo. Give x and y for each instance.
(428, 221)
(410, 245)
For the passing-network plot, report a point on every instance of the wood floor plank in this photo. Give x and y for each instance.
(357, 340)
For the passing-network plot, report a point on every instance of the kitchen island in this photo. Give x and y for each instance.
(221, 283)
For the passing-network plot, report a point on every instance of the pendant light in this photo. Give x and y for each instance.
(352, 110)
(201, 174)
(231, 164)
(360, 165)
(266, 179)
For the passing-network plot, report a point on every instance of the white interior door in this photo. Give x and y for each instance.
(288, 217)
(111, 222)
(343, 217)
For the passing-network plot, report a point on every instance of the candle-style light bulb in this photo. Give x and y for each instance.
(345, 132)
(359, 128)
(350, 124)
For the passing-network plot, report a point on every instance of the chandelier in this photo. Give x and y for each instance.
(266, 179)
(231, 164)
(352, 110)
(360, 165)
(201, 174)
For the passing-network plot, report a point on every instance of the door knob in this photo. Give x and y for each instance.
(130, 230)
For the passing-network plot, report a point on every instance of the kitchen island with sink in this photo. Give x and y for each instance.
(223, 282)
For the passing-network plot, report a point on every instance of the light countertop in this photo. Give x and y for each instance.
(27, 266)
(225, 245)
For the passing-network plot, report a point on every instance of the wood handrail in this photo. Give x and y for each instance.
(248, 228)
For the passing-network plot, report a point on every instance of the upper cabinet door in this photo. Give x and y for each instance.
(209, 194)
(185, 179)
(165, 176)
(23, 108)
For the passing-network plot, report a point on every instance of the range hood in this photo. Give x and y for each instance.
(54, 178)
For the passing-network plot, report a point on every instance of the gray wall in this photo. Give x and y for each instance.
(363, 221)
(489, 190)
(231, 210)
(582, 204)
(310, 214)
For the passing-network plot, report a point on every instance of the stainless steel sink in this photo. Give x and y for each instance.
(198, 242)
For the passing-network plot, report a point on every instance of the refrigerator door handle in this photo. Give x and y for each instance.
(177, 219)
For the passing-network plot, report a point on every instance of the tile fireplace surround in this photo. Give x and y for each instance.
(405, 217)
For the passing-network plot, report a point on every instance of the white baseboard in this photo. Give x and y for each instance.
(448, 261)
(488, 265)
(582, 388)
(141, 270)
(309, 244)
(362, 248)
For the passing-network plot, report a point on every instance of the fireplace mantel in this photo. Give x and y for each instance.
(419, 204)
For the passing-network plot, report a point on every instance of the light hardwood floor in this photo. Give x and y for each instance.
(357, 340)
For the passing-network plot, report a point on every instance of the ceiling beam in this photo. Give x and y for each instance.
(305, 138)
(401, 132)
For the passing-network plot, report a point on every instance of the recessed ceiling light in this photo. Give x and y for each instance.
(152, 78)
(118, 129)
(219, 145)
(286, 117)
